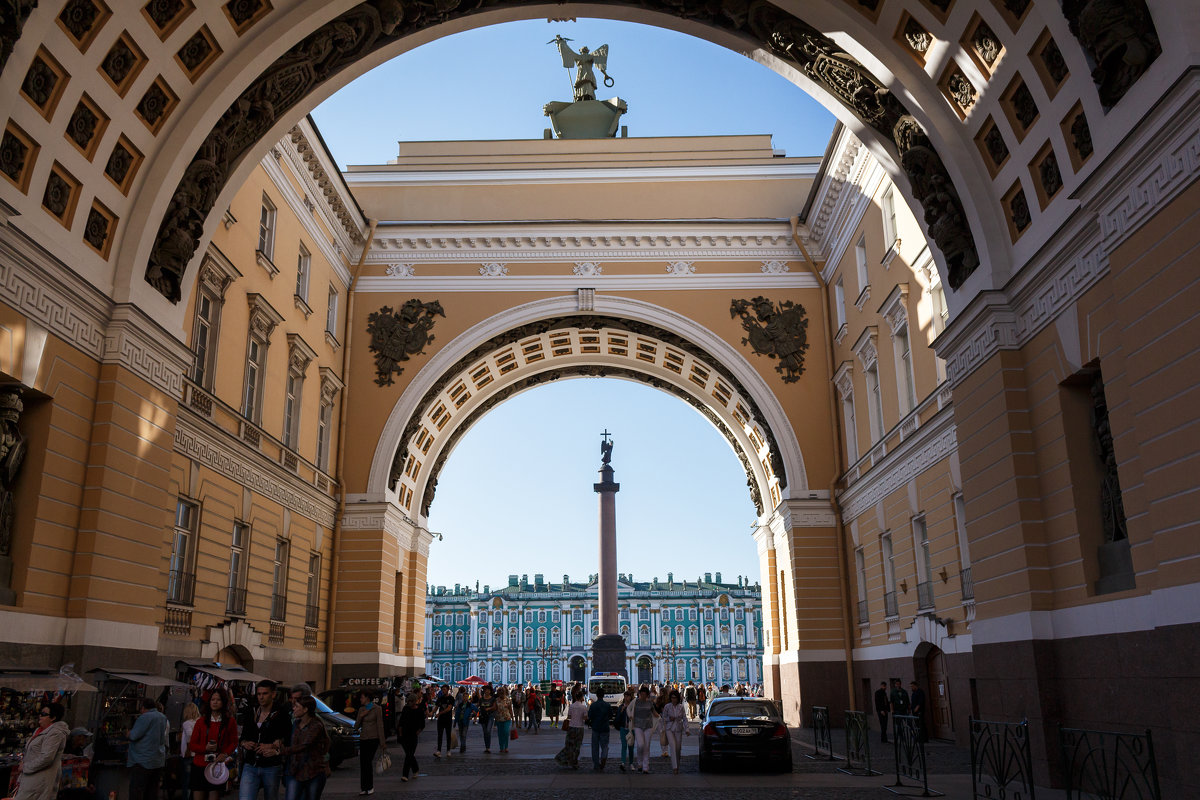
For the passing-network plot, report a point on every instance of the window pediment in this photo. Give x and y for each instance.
(865, 347)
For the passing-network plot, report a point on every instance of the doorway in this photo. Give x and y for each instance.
(645, 670)
(578, 667)
(941, 723)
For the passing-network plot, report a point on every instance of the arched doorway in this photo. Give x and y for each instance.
(578, 668)
(645, 669)
(930, 670)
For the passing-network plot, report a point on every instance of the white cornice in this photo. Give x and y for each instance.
(510, 177)
(477, 243)
(295, 202)
(569, 283)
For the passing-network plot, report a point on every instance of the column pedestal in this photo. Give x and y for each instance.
(608, 654)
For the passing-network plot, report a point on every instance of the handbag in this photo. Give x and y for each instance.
(383, 762)
(453, 738)
(629, 737)
(566, 724)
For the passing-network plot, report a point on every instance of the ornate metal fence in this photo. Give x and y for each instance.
(822, 739)
(1001, 762)
(1109, 766)
(858, 746)
(910, 757)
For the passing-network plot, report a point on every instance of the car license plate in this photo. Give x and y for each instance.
(743, 731)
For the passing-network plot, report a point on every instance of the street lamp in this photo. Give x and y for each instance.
(544, 652)
(669, 651)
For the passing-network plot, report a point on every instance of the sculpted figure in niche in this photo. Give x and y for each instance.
(1120, 37)
(12, 456)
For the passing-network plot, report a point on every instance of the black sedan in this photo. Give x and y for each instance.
(343, 738)
(746, 729)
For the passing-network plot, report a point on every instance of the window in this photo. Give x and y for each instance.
(960, 526)
(512, 638)
(266, 228)
(644, 635)
(303, 269)
(541, 616)
(839, 296)
(920, 533)
(529, 616)
(577, 636)
(740, 636)
(860, 263)
(529, 638)
(512, 672)
(205, 328)
(850, 423)
(437, 640)
(904, 371)
(724, 636)
(279, 579)
(708, 635)
(458, 619)
(861, 570)
(312, 603)
(577, 615)
(181, 578)
(554, 637)
(541, 637)
(397, 612)
(256, 365)
(888, 205)
(459, 641)
(324, 426)
(235, 598)
(891, 607)
(708, 614)
(331, 312)
(291, 409)
(874, 402)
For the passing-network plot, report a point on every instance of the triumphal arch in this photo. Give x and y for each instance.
(1010, 517)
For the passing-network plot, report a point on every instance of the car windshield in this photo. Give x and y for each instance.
(321, 706)
(742, 708)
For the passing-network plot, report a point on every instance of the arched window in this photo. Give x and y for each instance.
(625, 632)
(529, 638)
(458, 672)
(458, 641)
(724, 615)
(497, 638)
(541, 637)
(541, 616)
(437, 640)
(724, 636)
(742, 676)
(483, 638)
(595, 631)
(644, 635)
(726, 670)
(483, 617)
(554, 637)
(512, 638)
(708, 635)
(679, 635)
(528, 671)
(497, 673)
(556, 670)
(577, 636)
(666, 634)
(694, 670)
(512, 672)
(741, 635)
(711, 668)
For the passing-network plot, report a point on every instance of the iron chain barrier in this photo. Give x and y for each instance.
(822, 738)
(858, 746)
(1109, 766)
(910, 757)
(1001, 762)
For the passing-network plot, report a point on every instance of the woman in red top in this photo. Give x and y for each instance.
(214, 740)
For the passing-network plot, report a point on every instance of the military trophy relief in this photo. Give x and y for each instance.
(776, 330)
(398, 334)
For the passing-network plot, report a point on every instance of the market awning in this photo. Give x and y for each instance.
(43, 682)
(224, 674)
(145, 679)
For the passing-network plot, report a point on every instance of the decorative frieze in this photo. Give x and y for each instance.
(916, 454)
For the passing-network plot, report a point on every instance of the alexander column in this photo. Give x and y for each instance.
(608, 649)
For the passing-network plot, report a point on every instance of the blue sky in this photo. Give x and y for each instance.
(516, 495)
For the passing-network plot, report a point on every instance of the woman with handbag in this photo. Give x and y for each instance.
(306, 765)
(573, 724)
(371, 739)
(410, 724)
(214, 741)
(504, 717)
(642, 716)
(624, 732)
(674, 725)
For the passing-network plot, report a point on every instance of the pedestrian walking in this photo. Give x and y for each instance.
(689, 694)
(621, 725)
(265, 730)
(674, 725)
(464, 709)
(702, 700)
(882, 706)
(443, 706)
(410, 724)
(371, 740)
(642, 717)
(576, 719)
(147, 753)
(191, 713)
(554, 703)
(307, 746)
(533, 709)
(214, 741)
(518, 701)
(504, 717)
(660, 703)
(599, 718)
(41, 764)
(487, 716)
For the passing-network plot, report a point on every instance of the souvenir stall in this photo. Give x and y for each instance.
(117, 706)
(203, 676)
(22, 695)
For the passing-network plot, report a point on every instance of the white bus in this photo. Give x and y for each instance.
(609, 685)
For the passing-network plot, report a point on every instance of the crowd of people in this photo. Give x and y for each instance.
(276, 743)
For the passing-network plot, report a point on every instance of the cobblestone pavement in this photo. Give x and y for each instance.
(529, 772)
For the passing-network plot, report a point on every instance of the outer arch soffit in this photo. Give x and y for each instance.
(548, 340)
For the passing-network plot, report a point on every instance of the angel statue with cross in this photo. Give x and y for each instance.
(583, 63)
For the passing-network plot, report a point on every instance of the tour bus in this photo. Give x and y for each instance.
(610, 686)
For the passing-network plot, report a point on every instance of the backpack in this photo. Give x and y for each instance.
(689, 694)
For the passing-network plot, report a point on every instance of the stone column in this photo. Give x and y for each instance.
(608, 648)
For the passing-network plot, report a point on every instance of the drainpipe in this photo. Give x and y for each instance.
(838, 467)
(331, 603)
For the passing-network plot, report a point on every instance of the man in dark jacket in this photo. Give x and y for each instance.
(881, 709)
(917, 703)
(266, 728)
(899, 699)
(599, 717)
